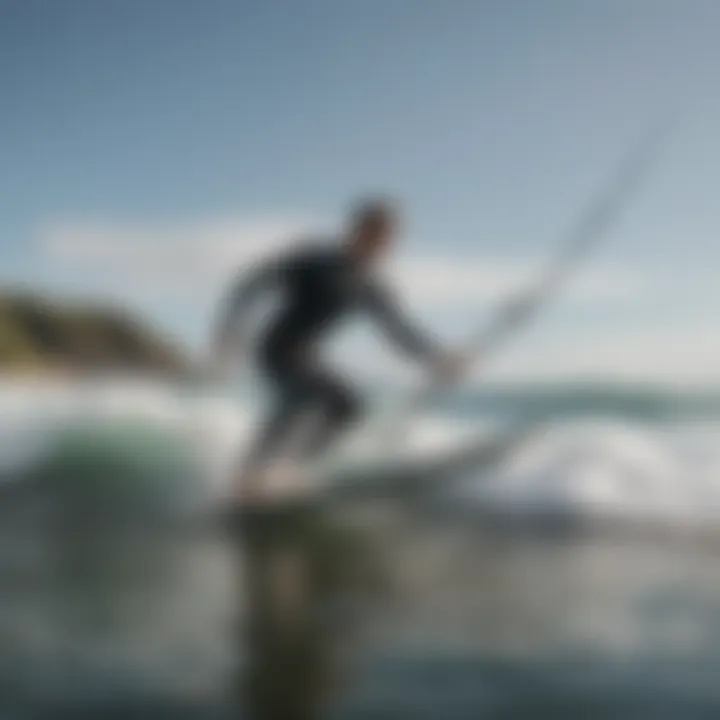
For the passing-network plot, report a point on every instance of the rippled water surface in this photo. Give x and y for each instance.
(357, 616)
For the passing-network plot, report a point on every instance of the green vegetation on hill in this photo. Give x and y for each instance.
(41, 334)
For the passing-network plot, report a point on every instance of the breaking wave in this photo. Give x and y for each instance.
(633, 456)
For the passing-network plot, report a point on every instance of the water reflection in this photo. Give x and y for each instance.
(107, 609)
(303, 576)
(308, 614)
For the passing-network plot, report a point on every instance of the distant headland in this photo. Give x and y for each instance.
(42, 335)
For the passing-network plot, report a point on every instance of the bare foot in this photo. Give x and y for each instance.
(286, 479)
(249, 488)
(282, 480)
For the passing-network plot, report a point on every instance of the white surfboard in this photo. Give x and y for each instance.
(388, 478)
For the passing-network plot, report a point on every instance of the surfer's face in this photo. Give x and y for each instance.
(373, 238)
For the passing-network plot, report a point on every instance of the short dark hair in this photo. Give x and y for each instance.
(373, 209)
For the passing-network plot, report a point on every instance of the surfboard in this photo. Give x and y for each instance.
(393, 477)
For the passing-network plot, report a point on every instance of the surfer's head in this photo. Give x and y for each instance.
(373, 225)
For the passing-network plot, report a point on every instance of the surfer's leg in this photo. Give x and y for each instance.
(269, 441)
(273, 431)
(339, 408)
(300, 390)
(330, 403)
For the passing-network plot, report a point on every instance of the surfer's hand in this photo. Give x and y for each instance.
(219, 369)
(226, 359)
(518, 309)
(450, 366)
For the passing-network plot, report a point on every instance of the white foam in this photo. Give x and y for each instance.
(612, 469)
(587, 468)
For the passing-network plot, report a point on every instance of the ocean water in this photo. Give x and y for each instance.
(627, 454)
(577, 579)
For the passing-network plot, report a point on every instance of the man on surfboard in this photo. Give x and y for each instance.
(321, 284)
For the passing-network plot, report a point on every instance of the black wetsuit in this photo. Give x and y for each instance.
(320, 287)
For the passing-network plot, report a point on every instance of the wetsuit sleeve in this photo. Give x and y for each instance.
(385, 308)
(243, 293)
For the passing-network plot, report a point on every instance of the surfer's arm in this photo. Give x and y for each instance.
(387, 311)
(230, 330)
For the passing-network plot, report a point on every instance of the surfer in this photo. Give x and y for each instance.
(321, 284)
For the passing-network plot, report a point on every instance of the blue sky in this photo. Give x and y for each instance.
(149, 146)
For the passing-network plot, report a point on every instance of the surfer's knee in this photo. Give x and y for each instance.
(345, 407)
